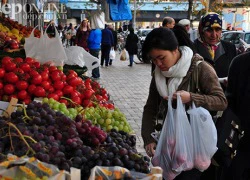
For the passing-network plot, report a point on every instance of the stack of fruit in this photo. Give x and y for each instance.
(54, 138)
(26, 79)
(12, 34)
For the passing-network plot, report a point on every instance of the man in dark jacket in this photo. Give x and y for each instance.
(107, 43)
(238, 96)
(111, 27)
(209, 45)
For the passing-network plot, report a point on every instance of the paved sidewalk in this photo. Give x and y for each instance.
(128, 88)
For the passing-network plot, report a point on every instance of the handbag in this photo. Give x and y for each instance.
(229, 134)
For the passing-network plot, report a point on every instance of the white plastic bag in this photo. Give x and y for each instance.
(54, 50)
(97, 19)
(45, 49)
(33, 45)
(204, 137)
(166, 144)
(183, 152)
(112, 54)
(79, 56)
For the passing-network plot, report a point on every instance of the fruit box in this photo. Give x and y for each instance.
(117, 172)
(6, 108)
(30, 167)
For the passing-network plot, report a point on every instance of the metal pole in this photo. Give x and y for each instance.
(134, 18)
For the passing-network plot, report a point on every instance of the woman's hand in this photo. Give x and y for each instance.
(185, 96)
(150, 149)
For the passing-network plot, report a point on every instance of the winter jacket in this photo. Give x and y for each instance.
(131, 44)
(223, 56)
(107, 37)
(238, 95)
(211, 96)
(95, 39)
(81, 39)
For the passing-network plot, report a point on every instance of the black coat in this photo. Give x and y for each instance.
(131, 44)
(223, 56)
(238, 95)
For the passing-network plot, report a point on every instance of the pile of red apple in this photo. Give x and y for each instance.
(26, 79)
(7, 42)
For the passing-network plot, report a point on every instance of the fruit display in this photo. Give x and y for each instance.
(107, 119)
(12, 34)
(26, 79)
(54, 138)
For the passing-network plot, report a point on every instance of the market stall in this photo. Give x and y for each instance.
(59, 121)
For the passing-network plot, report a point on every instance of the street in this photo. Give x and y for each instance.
(128, 88)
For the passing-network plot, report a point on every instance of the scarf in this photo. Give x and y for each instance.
(175, 74)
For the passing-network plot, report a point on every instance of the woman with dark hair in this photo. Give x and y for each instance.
(174, 73)
(182, 38)
(131, 45)
(82, 35)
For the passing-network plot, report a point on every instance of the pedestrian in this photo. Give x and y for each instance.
(168, 22)
(185, 23)
(72, 33)
(120, 29)
(238, 97)
(173, 73)
(106, 44)
(209, 45)
(94, 44)
(51, 29)
(111, 27)
(131, 45)
(82, 35)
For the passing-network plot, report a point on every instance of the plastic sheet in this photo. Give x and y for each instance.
(79, 56)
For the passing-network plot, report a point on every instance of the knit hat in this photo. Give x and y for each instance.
(184, 22)
(210, 20)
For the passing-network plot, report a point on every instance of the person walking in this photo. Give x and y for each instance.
(106, 44)
(51, 29)
(72, 33)
(209, 45)
(168, 22)
(173, 74)
(111, 27)
(131, 45)
(238, 97)
(94, 44)
(82, 35)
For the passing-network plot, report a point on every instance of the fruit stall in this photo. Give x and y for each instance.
(60, 120)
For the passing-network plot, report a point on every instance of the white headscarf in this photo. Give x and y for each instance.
(175, 74)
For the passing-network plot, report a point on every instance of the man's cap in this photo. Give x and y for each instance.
(184, 22)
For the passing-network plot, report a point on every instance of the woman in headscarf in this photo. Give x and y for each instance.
(209, 45)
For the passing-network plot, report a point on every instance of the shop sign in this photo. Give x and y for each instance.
(31, 9)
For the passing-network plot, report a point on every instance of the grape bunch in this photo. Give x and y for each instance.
(108, 119)
(57, 106)
(54, 138)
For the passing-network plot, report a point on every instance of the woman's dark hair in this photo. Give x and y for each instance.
(183, 37)
(159, 38)
(131, 30)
